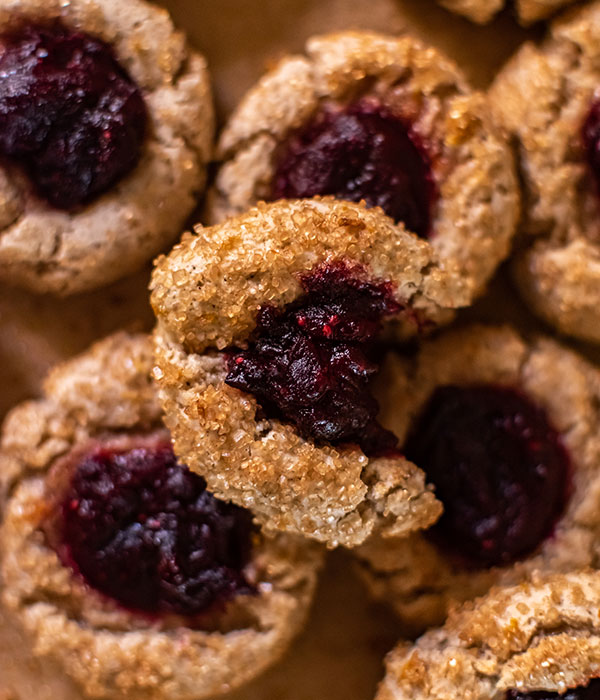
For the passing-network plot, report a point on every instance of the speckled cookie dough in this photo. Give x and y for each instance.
(47, 249)
(546, 97)
(357, 82)
(421, 576)
(538, 636)
(208, 295)
(483, 11)
(106, 396)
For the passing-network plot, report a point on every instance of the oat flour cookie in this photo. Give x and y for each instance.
(536, 641)
(117, 562)
(483, 11)
(104, 140)
(507, 432)
(387, 120)
(548, 98)
(265, 325)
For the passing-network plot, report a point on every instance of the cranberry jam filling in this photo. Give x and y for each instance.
(310, 361)
(143, 530)
(590, 692)
(498, 467)
(362, 151)
(69, 113)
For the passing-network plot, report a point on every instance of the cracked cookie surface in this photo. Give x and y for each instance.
(423, 575)
(64, 251)
(539, 636)
(545, 97)
(104, 400)
(207, 295)
(316, 125)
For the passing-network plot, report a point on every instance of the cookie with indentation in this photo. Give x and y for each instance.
(106, 124)
(506, 430)
(483, 11)
(387, 120)
(264, 350)
(547, 97)
(114, 551)
(536, 641)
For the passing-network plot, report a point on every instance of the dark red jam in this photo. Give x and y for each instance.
(310, 363)
(362, 151)
(591, 140)
(143, 530)
(498, 467)
(590, 692)
(69, 113)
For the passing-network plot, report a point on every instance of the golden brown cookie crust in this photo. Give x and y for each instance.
(48, 250)
(206, 295)
(483, 11)
(480, 11)
(413, 574)
(477, 209)
(541, 635)
(107, 394)
(543, 97)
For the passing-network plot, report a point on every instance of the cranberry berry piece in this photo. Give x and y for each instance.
(309, 363)
(143, 530)
(498, 467)
(590, 692)
(362, 151)
(69, 113)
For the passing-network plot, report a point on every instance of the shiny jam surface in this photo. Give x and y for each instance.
(70, 115)
(362, 151)
(143, 530)
(310, 362)
(498, 467)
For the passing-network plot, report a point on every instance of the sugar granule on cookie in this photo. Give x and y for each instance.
(380, 119)
(114, 550)
(264, 350)
(107, 124)
(507, 433)
(547, 97)
(536, 641)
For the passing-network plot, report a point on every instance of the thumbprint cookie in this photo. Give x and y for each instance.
(535, 641)
(387, 120)
(507, 432)
(548, 97)
(116, 561)
(265, 351)
(106, 125)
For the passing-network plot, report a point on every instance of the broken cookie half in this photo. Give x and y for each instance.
(265, 349)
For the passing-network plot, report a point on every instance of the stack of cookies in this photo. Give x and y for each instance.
(312, 380)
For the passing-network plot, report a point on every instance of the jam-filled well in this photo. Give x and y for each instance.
(143, 530)
(310, 362)
(70, 115)
(360, 151)
(498, 467)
